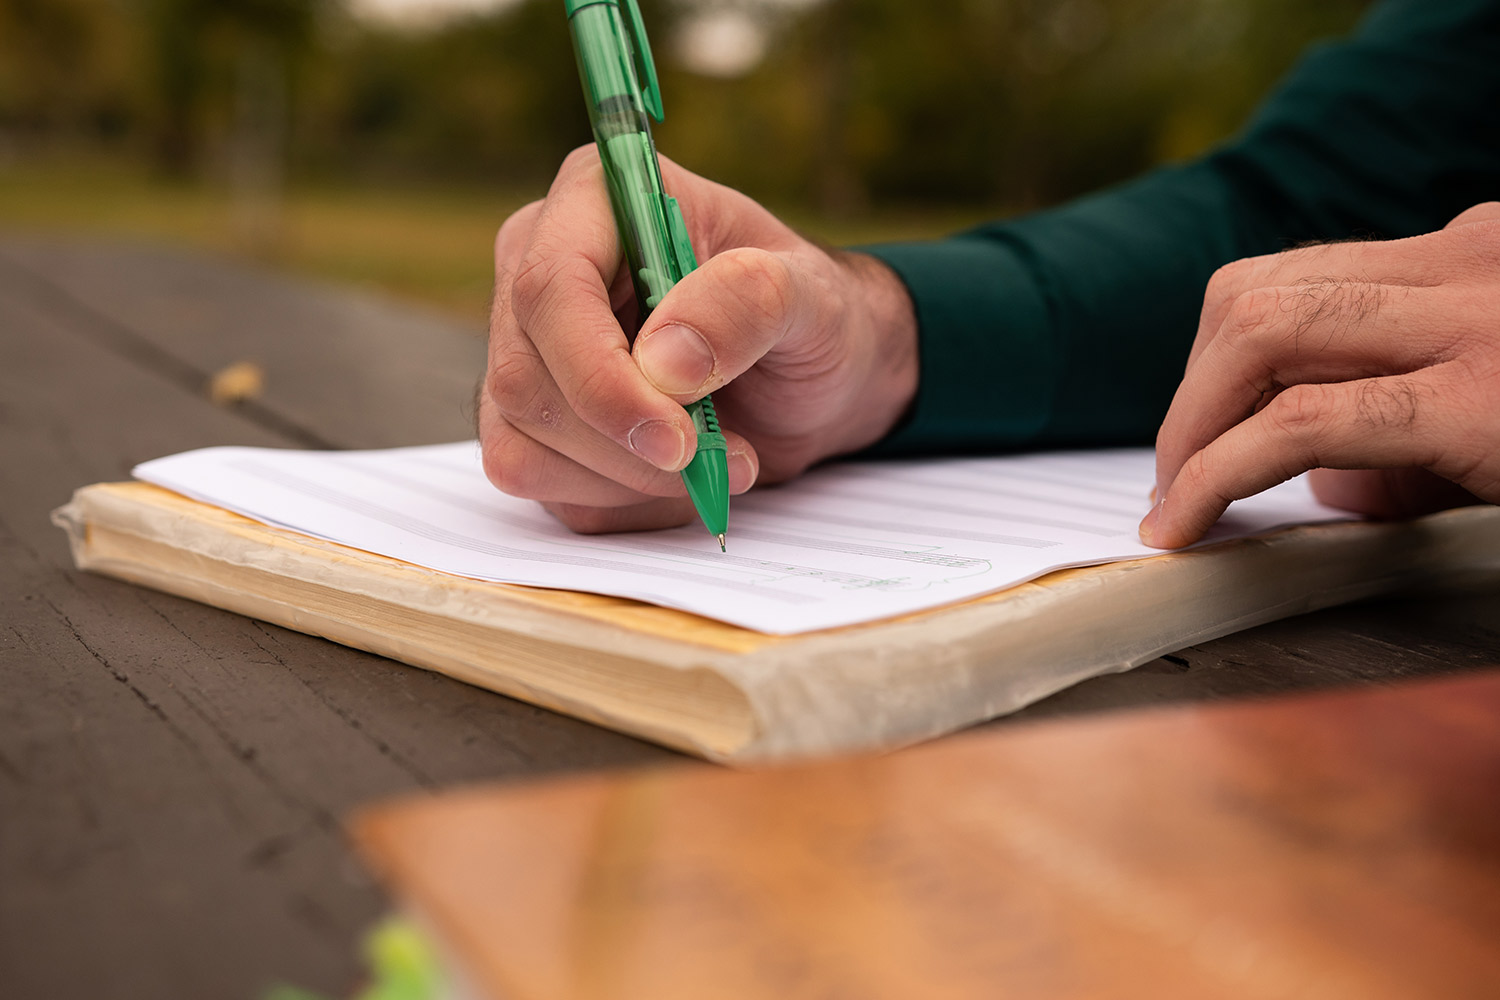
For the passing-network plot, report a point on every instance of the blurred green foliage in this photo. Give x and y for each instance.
(1012, 103)
(1006, 103)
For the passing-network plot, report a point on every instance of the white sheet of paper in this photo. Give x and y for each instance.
(849, 542)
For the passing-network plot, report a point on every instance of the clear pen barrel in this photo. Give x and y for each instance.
(606, 64)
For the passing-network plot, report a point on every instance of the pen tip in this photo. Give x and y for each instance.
(721, 544)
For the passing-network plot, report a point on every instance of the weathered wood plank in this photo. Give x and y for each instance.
(353, 370)
(172, 777)
(1373, 642)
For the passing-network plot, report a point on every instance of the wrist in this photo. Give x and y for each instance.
(883, 328)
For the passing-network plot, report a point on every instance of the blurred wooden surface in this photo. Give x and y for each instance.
(1343, 844)
(173, 777)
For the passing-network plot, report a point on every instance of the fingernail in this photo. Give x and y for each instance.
(659, 443)
(743, 469)
(1154, 494)
(675, 359)
(1148, 523)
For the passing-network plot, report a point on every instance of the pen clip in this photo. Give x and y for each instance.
(646, 66)
(682, 244)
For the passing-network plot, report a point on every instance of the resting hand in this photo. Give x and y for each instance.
(1380, 357)
(809, 353)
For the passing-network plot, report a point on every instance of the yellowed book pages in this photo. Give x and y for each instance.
(733, 695)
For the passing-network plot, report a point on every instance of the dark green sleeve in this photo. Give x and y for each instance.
(1071, 326)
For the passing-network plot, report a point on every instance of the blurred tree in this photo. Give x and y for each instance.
(841, 104)
(491, 96)
(1010, 102)
(224, 59)
(66, 69)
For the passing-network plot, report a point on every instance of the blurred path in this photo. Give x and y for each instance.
(173, 777)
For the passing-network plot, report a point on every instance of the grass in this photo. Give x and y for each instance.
(430, 245)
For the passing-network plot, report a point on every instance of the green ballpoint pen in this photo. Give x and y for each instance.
(614, 59)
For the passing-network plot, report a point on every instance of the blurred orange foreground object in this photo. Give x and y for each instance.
(1330, 845)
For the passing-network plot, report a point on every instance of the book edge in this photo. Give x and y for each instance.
(900, 681)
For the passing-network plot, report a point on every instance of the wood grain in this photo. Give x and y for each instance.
(1342, 845)
(172, 776)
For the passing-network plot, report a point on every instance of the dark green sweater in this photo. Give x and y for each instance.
(1071, 326)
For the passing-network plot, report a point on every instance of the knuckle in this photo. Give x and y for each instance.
(545, 279)
(1485, 211)
(1192, 473)
(515, 226)
(1250, 315)
(1299, 411)
(780, 465)
(763, 281)
(1477, 245)
(509, 463)
(514, 384)
(501, 313)
(580, 158)
(583, 520)
(520, 392)
(1336, 304)
(1228, 280)
(1195, 478)
(597, 390)
(647, 480)
(534, 275)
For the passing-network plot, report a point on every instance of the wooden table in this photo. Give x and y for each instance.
(173, 778)
(1344, 844)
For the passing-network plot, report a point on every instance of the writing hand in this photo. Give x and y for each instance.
(1377, 364)
(809, 353)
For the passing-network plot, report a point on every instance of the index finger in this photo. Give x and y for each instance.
(560, 297)
(1375, 262)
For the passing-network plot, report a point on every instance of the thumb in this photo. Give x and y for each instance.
(719, 321)
(1485, 211)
